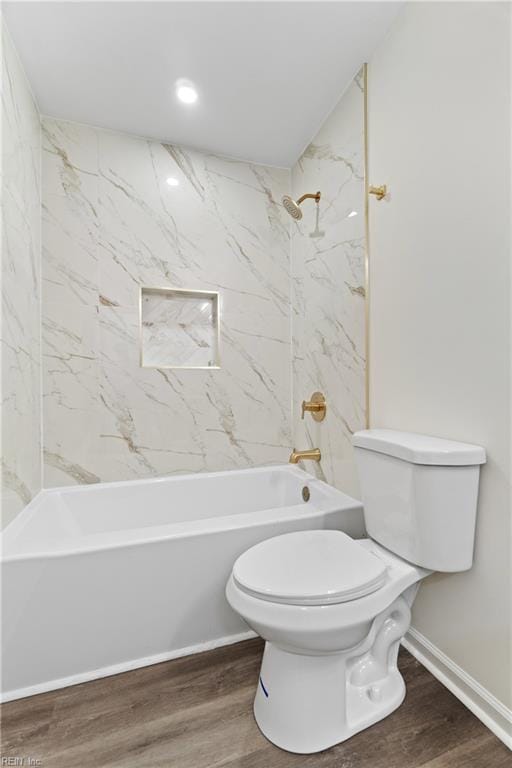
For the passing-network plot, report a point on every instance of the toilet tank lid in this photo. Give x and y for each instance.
(419, 449)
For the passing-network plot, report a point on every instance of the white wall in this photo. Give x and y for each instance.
(439, 136)
(21, 287)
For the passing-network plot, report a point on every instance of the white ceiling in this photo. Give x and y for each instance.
(267, 73)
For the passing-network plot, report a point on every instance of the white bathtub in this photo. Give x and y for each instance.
(101, 579)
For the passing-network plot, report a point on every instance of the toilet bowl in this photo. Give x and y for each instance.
(333, 610)
(329, 666)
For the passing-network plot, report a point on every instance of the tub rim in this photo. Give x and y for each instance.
(339, 501)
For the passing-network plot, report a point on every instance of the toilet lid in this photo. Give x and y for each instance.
(309, 568)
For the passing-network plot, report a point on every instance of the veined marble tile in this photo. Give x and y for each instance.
(114, 224)
(70, 213)
(70, 252)
(21, 287)
(71, 399)
(161, 421)
(70, 160)
(222, 229)
(328, 290)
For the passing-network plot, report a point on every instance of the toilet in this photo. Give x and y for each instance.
(333, 609)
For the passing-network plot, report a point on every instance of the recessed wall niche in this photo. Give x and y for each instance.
(179, 328)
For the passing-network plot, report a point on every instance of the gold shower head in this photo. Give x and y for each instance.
(293, 206)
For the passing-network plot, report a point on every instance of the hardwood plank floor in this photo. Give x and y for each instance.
(196, 712)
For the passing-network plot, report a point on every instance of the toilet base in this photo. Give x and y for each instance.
(307, 703)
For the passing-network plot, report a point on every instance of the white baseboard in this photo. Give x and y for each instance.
(495, 715)
(126, 666)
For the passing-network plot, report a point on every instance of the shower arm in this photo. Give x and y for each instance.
(315, 197)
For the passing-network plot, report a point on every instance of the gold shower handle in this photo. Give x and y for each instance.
(379, 192)
(316, 405)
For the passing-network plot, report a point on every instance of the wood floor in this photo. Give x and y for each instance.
(196, 712)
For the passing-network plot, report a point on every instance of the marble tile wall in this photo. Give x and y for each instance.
(328, 289)
(21, 287)
(112, 223)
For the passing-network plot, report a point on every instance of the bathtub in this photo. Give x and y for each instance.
(101, 579)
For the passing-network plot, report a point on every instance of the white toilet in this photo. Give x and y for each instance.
(333, 609)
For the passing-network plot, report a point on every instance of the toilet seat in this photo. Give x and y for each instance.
(309, 568)
(324, 628)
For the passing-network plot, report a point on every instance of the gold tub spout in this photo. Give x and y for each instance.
(313, 455)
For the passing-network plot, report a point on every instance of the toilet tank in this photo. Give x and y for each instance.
(420, 495)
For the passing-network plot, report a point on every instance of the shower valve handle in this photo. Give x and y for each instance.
(316, 405)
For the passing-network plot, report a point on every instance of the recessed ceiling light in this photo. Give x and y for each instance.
(172, 182)
(186, 92)
(352, 213)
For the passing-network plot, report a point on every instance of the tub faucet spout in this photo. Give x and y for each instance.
(313, 454)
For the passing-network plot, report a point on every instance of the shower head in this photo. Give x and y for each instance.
(293, 206)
